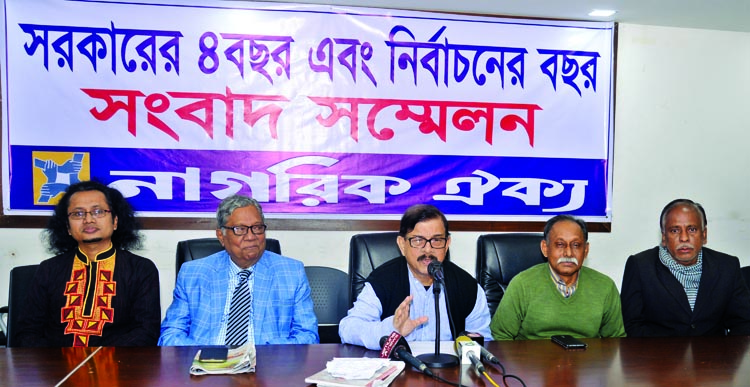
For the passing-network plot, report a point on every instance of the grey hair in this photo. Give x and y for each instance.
(231, 203)
(570, 218)
(680, 202)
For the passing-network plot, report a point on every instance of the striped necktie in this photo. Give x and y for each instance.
(239, 311)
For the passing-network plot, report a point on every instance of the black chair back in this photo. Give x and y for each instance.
(330, 297)
(192, 249)
(500, 257)
(366, 252)
(21, 278)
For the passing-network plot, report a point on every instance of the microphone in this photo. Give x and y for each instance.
(464, 346)
(486, 355)
(435, 268)
(396, 347)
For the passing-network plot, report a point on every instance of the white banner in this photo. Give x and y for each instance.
(504, 118)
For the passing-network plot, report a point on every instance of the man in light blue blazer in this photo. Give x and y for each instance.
(281, 310)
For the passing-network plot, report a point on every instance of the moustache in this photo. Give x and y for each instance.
(567, 260)
(425, 256)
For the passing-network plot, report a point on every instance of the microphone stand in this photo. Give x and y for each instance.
(437, 359)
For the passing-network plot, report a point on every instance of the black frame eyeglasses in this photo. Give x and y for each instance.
(95, 213)
(419, 242)
(256, 229)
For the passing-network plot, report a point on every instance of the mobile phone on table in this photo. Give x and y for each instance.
(568, 342)
(213, 354)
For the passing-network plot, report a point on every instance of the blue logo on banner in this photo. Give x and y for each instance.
(55, 171)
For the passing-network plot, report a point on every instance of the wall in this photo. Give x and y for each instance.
(680, 132)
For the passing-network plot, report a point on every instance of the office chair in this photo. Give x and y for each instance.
(21, 278)
(192, 249)
(330, 297)
(366, 252)
(500, 257)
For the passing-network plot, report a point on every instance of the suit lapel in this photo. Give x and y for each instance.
(673, 286)
(219, 293)
(709, 279)
(261, 286)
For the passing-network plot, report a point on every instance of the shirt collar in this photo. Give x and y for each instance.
(562, 287)
(108, 253)
(413, 279)
(234, 269)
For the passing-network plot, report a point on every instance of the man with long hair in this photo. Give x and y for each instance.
(94, 292)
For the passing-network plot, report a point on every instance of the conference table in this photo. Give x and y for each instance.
(702, 361)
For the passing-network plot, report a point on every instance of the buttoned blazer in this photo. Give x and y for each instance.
(654, 302)
(282, 304)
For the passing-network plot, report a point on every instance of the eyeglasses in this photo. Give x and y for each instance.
(256, 229)
(95, 213)
(418, 242)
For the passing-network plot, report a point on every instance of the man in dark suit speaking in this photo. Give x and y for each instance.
(681, 288)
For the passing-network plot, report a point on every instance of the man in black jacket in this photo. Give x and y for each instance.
(95, 292)
(681, 288)
(398, 295)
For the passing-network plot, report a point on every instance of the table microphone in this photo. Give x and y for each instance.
(396, 347)
(465, 346)
(435, 268)
(486, 355)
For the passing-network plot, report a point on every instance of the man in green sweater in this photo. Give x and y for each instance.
(560, 297)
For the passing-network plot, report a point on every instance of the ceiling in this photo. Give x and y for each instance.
(728, 15)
